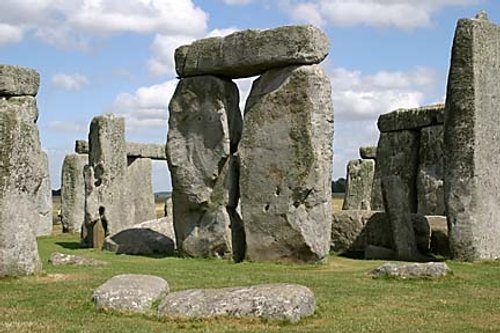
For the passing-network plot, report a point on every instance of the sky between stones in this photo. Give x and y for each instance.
(98, 56)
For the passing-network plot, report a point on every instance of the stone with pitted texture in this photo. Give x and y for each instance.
(252, 52)
(130, 293)
(407, 119)
(43, 227)
(286, 163)
(359, 184)
(411, 271)
(471, 145)
(140, 186)
(18, 81)
(288, 302)
(368, 152)
(204, 129)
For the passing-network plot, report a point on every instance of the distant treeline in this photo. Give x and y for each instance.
(338, 186)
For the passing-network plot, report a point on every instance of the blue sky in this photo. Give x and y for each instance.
(98, 56)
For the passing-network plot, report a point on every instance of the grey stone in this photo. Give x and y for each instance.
(440, 244)
(24, 106)
(407, 119)
(271, 301)
(134, 150)
(73, 192)
(130, 293)
(397, 155)
(471, 145)
(412, 270)
(168, 208)
(18, 81)
(43, 227)
(140, 189)
(377, 200)
(359, 184)
(155, 237)
(430, 185)
(286, 165)
(396, 192)
(252, 52)
(20, 178)
(204, 129)
(59, 259)
(373, 252)
(368, 152)
(82, 147)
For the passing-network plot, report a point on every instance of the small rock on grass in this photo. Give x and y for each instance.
(58, 259)
(411, 270)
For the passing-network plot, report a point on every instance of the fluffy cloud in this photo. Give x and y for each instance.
(70, 82)
(404, 14)
(147, 107)
(10, 34)
(76, 23)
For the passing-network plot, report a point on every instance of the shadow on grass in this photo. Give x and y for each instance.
(70, 245)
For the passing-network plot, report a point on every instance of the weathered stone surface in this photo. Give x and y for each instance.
(204, 129)
(286, 163)
(155, 237)
(251, 52)
(411, 271)
(359, 184)
(368, 152)
(440, 244)
(430, 185)
(397, 155)
(25, 107)
(82, 147)
(20, 178)
(396, 192)
(407, 119)
(353, 231)
(43, 227)
(146, 150)
(471, 145)
(377, 200)
(73, 192)
(107, 197)
(130, 293)
(140, 188)
(18, 81)
(168, 208)
(58, 259)
(271, 301)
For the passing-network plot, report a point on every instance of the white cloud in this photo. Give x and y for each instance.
(70, 82)
(10, 34)
(147, 107)
(404, 14)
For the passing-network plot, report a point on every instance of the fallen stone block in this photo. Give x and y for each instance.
(130, 293)
(271, 301)
(59, 259)
(411, 271)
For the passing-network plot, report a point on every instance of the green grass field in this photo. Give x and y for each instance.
(347, 299)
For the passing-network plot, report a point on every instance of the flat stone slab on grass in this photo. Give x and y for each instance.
(411, 270)
(272, 301)
(130, 293)
(58, 259)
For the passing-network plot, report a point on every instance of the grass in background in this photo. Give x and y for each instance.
(347, 299)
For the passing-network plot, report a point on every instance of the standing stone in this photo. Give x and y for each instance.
(286, 165)
(396, 193)
(43, 227)
(204, 129)
(141, 196)
(20, 177)
(107, 197)
(471, 142)
(368, 152)
(397, 155)
(73, 192)
(359, 184)
(252, 52)
(430, 184)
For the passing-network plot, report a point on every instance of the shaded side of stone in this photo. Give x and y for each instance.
(272, 301)
(204, 129)
(430, 184)
(472, 152)
(251, 52)
(73, 192)
(286, 163)
(407, 119)
(368, 152)
(359, 184)
(81, 147)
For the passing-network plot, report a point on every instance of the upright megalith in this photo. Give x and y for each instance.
(43, 226)
(140, 187)
(22, 171)
(251, 52)
(204, 129)
(107, 200)
(359, 184)
(286, 164)
(471, 141)
(73, 192)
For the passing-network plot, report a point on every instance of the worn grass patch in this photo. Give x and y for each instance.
(348, 300)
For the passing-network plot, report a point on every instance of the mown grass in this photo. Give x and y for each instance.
(347, 299)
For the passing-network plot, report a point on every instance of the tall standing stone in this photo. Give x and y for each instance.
(73, 192)
(44, 199)
(21, 171)
(204, 129)
(359, 184)
(139, 174)
(286, 164)
(471, 142)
